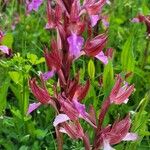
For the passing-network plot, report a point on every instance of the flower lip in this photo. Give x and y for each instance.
(60, 119)
(32, 107)
(4, 49)
(33, 5)
(75, 44)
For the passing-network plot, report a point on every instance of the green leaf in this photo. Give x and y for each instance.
(7, 40)
(3, 94)
(16, 113)
(108, 77)
(15, 76)
(40, 133)
(127, 57)
(32, 58)
(91, 69)
(24, 147)
(41, 60)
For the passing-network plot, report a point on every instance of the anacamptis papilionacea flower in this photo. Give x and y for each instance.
(75, 25)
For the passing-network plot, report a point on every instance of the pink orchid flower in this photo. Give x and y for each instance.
(119, 93)
(114, 134)
(33, 5)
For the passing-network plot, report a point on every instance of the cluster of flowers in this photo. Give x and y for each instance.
(70, 19)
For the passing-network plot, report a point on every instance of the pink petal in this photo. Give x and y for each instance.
(62, 130)
(34, 5)
(130, 137)
(94, 19)
(75, 44)
(79, 107)
(48, 74)
(136, 20)
(102, 57)
(107, 146)
(60, 119)
(4, 49)
(32, 107)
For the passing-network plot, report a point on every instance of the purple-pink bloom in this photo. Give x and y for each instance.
(102, 57)
(33, 5)
(4, 49)
(75, 44)
(32, 107)
(107, 146)
(79, 107)
(60, 119)
(94, 19)
(130, 137)
(48, 75)
(135, 20)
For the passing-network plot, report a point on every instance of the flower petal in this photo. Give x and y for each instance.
(4, 49)
(48, 74)
(136, 20)
(32, 107)
(60, 118)
(102, 57)
(107, 145)
(130, 137)
(75, 44)
(62, 130)
(79, 107)
(34, 5)
(94, 19)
